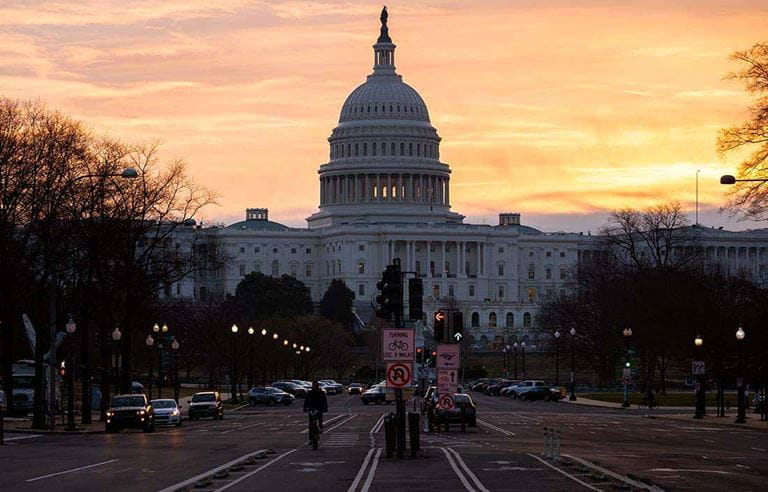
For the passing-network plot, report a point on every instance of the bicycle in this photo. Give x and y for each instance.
(398, 345)
(314, 428)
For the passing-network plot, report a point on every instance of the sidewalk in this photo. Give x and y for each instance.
(24, 426)
(607, 404)
(753, 420)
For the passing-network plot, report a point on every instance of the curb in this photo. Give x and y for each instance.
(44, 432)
(710, 422)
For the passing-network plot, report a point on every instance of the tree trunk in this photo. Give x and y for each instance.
(38, 416)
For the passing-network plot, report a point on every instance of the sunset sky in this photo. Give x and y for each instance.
(560, 110)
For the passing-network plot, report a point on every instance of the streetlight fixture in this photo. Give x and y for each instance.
(150, 342)
(557, 358)
(116, 336)
(251, 330)
(573, 365)
(285, 342)
(275, 336)
(235, 328)
(727, 179)
(175, 346)
(71, 327)
(522, 347)
(233, 375)
(741, 416)
(514, 345)
(627, 371)
(306, 348)
(156, 328)
(700, 396)
(264, 332)
(165, 328)
(504, 360)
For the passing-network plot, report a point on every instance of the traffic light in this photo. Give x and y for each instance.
(457, 328)
(415, 297)
(433, 360)
(438, 326)
(63, 369)
(627, 364)
(420, 355)
(390, 300)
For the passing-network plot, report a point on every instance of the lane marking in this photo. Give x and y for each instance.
(493, 427)
(341, 423)
(377, 426)
(558, 470)
(456, 470)
(675, 470)
(360, 472)
(257, 470)
(16, 438)
(70, 471)
(242, 428)
(211, 471)
(371, 471)
(617, 476)
(468, 471)
(326, 422)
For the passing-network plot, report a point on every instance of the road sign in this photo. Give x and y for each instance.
(698, 368)
(399, 374)
(447, 381)
(626, 380)
(457, 337)
(397, 345)
(448, 356)
(627, 373)
(446, 402)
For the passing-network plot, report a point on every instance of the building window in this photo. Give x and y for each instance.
(418, 267)
(531, 294)
(471, 290)
(361, 290)
(501, 292)
(361, 247)
(475, 320)
(365, 149)
(550, 293)
(373, 148)
(274, 250)
(242, 250)
(293, 251)
(275, 268)
(563, 274)
(309, 251)
(392, 149)
(501, 269)
(562, 254)
(242, 269)
(432, 268)
(294, 270)
(360, 267)
(549, 254)
(402, 148)
(410, 149)
(436, 291)
(257, 250)
(510, 320)
(257, 267)
(308, 270)
(450, 290)
(447, 268)
(548, 273)
(531, 271)
(501, 249)
(466, 268)
(530, 253)
(492, 320)
(527, 320)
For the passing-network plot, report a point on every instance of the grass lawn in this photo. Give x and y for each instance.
(668, 400)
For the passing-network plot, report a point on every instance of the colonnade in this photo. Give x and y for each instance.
(384, 187)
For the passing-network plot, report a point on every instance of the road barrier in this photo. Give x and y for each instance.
(552, 437)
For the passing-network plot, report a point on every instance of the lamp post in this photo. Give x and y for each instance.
(116, 336)
(522, 347)
(175, 347)
(741, 416)
(504, 360)
(514, 345)
(251, 331)
(150, 342)
(233, 375)
(627, 371)
(557, 358)
(573, 365)
(162, 333)
(71, 327)
(700, 398)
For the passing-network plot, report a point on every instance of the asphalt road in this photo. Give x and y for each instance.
(501, 453)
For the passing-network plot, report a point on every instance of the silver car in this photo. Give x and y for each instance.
(166, 412)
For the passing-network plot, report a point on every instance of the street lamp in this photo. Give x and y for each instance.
(515, 347)
(306, 348)
(522, 346)
(741, 416)
(233, 375)
(700, 396)
(275, 336)
(504, 360)
(727, 179)
(116, 336)
(573, 365)
(263, 332)
(175, 347)
(627, 371)
(156, 328)
(251, 331)
(71, 327)
(557, 358)
(150, 342)
(165, 328)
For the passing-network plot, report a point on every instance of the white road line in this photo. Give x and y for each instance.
(474, 478)
(605, 471)
(371, 471)
(257, 470)
(211, 472)
(558, 470)
(497, 429)
(457, 471)
(16, 438)
(360, 472)
(377, 426)
(341, 423)
(242, 428)
(71, 471)
(326, 422)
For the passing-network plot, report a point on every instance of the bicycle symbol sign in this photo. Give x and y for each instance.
(397, 345)
(399, 374)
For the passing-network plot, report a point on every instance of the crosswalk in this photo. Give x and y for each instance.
(340, 440)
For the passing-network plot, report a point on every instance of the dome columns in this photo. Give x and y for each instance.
(385, 187)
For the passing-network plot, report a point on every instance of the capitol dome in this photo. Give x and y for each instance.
(384, 154)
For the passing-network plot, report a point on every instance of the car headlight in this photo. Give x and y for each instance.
(109, 414)
(175, 413)
(140, 412)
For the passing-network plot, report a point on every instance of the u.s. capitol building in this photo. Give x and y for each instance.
(385, 194)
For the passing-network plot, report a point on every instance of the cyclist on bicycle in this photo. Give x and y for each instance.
(316, 400)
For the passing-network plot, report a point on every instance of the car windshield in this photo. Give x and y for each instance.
(163, 403)
(460, 398)
(24, 382)
(355, 385)
(203, 397)
(128, 401)
(273, 390)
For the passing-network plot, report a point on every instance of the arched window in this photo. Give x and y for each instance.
(466, 268)
(361, 267)
(527, 320)
(349, 150)
(475, 320)
(308, 270)
(383, 148)
(418, 150)
(373, 148)
(275, 268)
(365, 149)
(390, 108)
(531, 271)
(510, 320)
(392, 148)
(492, 320)
(418, 267)
(410, 149)
(294, 270)
(402, 148)
(357, 150)
(501, 269)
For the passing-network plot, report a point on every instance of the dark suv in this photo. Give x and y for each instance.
(130, 411)
(206, 404)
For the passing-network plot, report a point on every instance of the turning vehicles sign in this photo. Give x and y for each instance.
(397, 344)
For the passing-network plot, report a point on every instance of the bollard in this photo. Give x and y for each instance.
(413, 427)
(390, 434)
(463, 419)
(545, 453)
(557, 442)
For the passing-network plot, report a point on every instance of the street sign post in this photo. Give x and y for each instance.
(698, 368)
(447, 381)
(397, 344)
(399, 374)
(448, 356)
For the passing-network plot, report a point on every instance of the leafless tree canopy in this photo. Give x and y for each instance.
(750, 199)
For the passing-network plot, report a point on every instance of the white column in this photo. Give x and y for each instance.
(389, 187)
(442, 259)
(447, 191)
(367, 192)
(429, 258)
(410, 187)
(378, 187)
(400, 187)
(479, 258)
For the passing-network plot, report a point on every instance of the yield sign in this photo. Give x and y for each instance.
(399, 374)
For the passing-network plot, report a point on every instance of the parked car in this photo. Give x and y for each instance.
(206, 404)
(377, 395)
(540, 393)
(336, 387)
(295, 389)
(505, 391)
(461, 401)
(130, 411)
(495, 388)
(478, 384)
(268, 395)
(524, 386)
(166, 412)
(355, 389)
